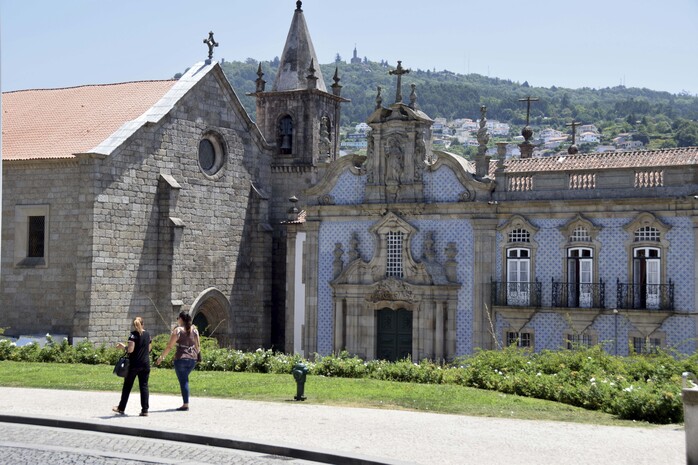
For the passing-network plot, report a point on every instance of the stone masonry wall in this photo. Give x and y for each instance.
(34, 300)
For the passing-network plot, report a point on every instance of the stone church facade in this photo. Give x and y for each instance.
(155, 197)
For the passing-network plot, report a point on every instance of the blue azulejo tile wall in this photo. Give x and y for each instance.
(349, 189)
(444, 231)
(442, 185)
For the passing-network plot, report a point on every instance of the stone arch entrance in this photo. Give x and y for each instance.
(211, 314)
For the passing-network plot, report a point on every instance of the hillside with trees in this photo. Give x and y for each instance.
(658, 119)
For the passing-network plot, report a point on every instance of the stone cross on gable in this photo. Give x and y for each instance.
(528, 101)
(211, 43)
(574, 125)
(399, 71)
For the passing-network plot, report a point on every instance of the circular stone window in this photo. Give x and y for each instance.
(211, 154)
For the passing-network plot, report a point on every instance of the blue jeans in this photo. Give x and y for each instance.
(182, 368)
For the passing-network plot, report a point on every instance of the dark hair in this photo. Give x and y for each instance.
(186, 319)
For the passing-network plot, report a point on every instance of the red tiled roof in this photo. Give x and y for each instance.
(57, 123)
(607, 160)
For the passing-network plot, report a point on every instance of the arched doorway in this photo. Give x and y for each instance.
(201, 322)
(211, 315)
(393, 334)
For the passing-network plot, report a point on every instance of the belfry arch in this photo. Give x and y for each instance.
(212, 308)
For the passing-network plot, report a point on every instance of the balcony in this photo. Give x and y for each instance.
(645, 296)
(516, 294)
(579, 295)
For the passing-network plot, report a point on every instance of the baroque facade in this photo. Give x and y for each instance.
(150, 198)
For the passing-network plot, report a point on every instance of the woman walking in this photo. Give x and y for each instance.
(138, 349)
(186, 337)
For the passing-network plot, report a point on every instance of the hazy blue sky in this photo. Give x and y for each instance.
(593, 43)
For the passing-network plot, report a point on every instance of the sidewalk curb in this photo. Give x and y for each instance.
(315, 455)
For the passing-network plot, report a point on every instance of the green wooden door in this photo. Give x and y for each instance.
(394, 338)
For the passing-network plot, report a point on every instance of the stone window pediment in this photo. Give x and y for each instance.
(580, 230)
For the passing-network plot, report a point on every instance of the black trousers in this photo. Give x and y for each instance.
(143, 373)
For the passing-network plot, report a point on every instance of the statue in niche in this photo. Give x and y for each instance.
(451, 266)
(338, 263)
(394, 162)
(354, 248)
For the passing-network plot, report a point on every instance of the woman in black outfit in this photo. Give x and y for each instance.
(138, 349)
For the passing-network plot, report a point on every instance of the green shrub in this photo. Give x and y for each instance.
(639, 387)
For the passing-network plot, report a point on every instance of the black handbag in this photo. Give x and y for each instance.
(121, 367)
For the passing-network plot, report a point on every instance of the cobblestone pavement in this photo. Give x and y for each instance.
(26, 444)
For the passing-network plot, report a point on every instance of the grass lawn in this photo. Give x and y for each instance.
(368, 393)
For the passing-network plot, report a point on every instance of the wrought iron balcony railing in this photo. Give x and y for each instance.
(579, 295)
(516, 294)
(645, 296)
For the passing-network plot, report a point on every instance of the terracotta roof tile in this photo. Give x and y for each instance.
(57, 123)
(607, 160)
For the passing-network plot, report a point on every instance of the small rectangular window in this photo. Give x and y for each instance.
(518, 339)
(31, 233)
(35, 240)
(578, 341)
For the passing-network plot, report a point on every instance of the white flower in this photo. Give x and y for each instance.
(592, 380)
(539, 374)
(629, 389)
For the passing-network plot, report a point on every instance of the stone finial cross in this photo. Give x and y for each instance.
(399, 71)
(528, 101)
(574, 125)
(211, 43)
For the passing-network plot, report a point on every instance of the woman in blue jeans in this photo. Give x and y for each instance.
(186, 337)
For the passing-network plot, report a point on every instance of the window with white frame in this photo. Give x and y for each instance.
(647, 277)
(394, 254)
(518, 276)
(580, 270)
(31, 235)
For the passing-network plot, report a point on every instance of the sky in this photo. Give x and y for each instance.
(594, 43)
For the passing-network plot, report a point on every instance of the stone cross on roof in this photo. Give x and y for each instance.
(574, 125)
(572, 149)
(211, 43)
(399, 71)
(528, 101)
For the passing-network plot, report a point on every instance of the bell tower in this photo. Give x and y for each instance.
(300, 118)
(298, 115)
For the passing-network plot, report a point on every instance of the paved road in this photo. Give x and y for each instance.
(31, 445)
(384, 436)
